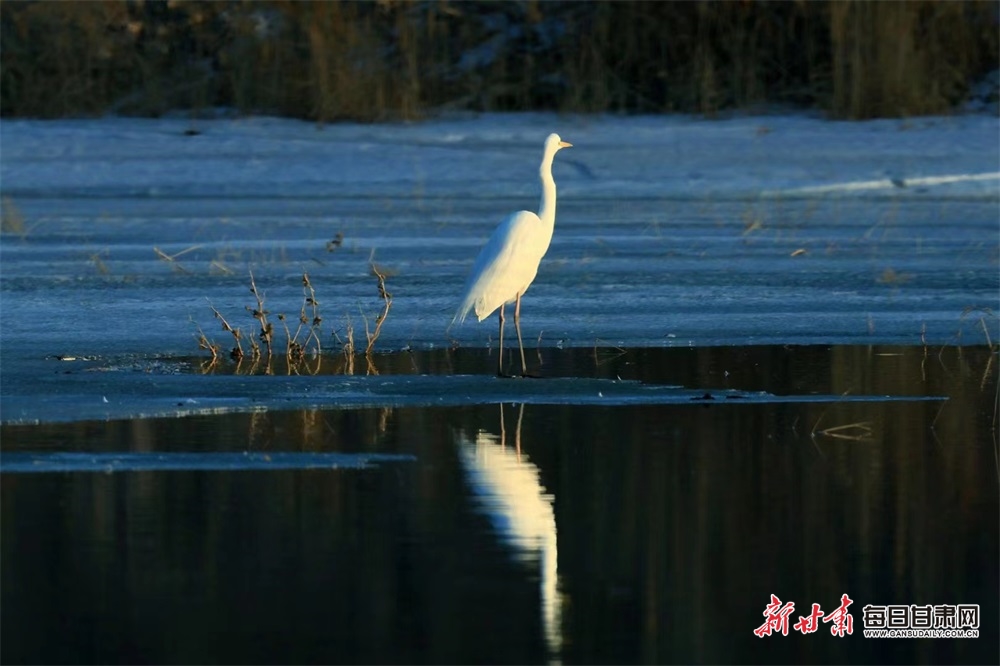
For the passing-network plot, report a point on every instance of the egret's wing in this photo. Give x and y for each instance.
(505, 264)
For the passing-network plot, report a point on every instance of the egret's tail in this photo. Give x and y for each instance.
(461, 313)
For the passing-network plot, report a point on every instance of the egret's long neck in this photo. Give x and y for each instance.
(547, 208)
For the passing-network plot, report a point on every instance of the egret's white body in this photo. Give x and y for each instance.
(508, 263)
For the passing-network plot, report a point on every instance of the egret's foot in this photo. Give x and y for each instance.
(532, 374)
(503, 375)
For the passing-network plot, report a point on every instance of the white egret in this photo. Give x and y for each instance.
(508, 263)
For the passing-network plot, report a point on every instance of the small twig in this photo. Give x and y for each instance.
(387, 303)
(237, 352)
(208, 345)
(293, 350)
(266, 329)
(254, 351)
(172, 258)
(349, 349)
(309, 300)
(221, 267)
(347, 346)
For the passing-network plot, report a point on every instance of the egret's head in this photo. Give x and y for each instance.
(554, 143)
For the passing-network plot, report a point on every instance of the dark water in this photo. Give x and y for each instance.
(489, 533)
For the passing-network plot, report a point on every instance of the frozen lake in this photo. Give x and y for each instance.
(764, 368)
(122, 234)
(669, 232)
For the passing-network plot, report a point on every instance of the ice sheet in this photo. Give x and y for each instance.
(671, 231)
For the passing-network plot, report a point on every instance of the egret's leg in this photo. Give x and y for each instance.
(517, 325)
(500, 355)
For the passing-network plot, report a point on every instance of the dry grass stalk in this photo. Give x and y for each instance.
(386, 304)
(208, 345)
(237, 352)
(347, 345)
(305, 339)
(313, 319)
(900, 58)
(384, 60)
(216, 266)
(349, 349)
(347, 342)
(172, 258)
(266, 334)
(296, 351)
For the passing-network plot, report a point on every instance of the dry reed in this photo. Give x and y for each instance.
(395, 59)
(303, 342)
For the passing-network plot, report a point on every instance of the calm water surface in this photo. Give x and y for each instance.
(518, 534)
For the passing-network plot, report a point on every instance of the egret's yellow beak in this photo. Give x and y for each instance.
(565, 144)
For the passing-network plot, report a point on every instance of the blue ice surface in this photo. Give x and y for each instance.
(670, 231)
(120, 235)
(32, 463)
(123, 395)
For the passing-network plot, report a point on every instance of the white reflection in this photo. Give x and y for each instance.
(508, 489)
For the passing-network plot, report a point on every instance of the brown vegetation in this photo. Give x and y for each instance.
(301, 344)
(405, 58)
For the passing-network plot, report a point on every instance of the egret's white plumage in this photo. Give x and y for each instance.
(508, 263)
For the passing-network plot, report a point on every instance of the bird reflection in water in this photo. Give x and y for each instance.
(508, 489)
